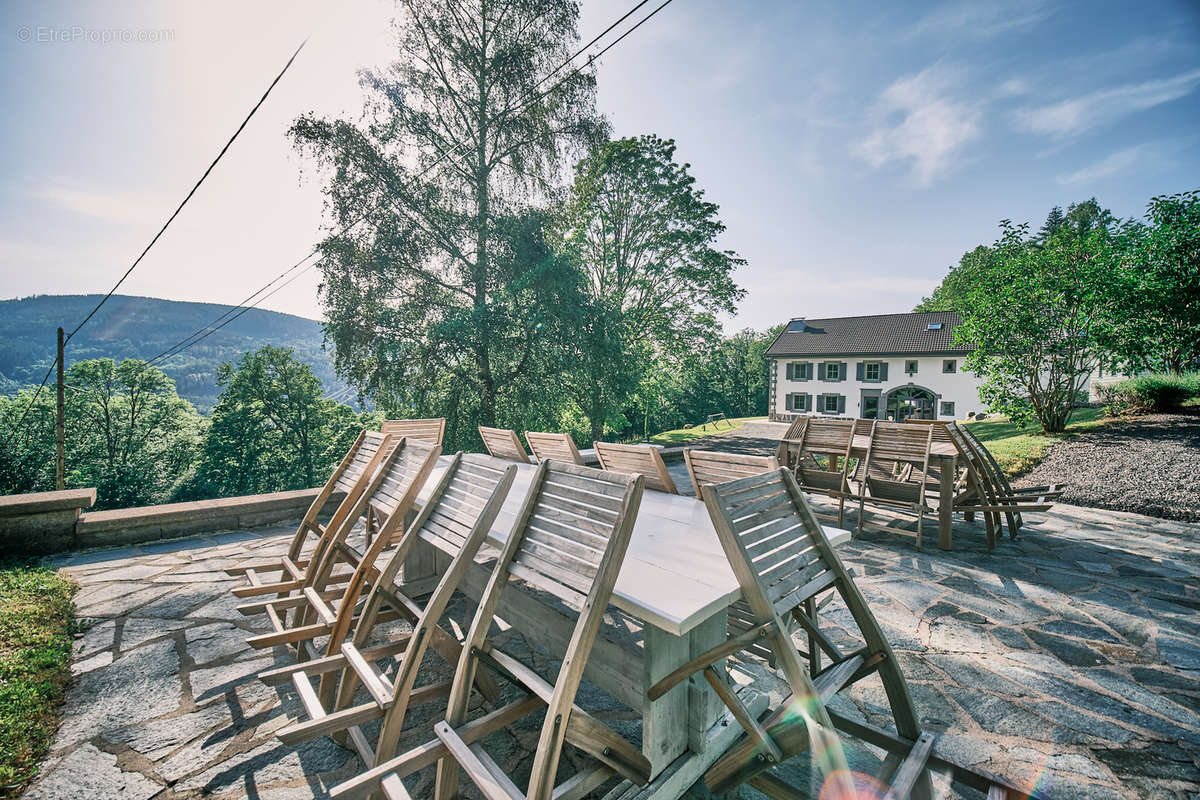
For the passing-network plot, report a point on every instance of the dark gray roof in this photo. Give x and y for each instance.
(883, 334)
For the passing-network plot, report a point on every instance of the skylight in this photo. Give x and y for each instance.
(934, 326)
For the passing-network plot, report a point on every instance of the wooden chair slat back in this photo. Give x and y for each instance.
(503, 443)
(829, 436)
(892, 441)
(636, 459)
(862, 427)
(557, 446)
(941, 428)
(575, 513)
(796, 429)
(710, 467)
(367, 447)
(402, 477)
(427, 430)
(458, 507)
(772, 537)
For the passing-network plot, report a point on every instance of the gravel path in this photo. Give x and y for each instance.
(1149, 465)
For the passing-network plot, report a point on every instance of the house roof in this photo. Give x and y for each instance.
(883, 334)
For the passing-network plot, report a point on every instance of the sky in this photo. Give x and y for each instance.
(856, 150)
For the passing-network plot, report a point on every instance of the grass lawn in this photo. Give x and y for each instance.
(35, 651)
(700, 431)
(1018, 450)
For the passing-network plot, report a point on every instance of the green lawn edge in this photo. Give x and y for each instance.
(1018, 450)
(36, 627)
(681, 435)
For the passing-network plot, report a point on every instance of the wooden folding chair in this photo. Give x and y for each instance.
(503, 443)
(709, 467)
(349, 477)
(427, 430)
(390, 493)
(895, 470)
(636, 459)
(557, 446)
(456, 520)
(793, 433)
(994, 492)
(831, 440)
(569, 541)
(780, 555)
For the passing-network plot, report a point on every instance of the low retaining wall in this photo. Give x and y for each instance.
(51, 522)
(43, 522)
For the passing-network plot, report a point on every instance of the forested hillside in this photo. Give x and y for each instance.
(143, 327)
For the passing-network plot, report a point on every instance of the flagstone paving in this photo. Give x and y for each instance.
(1068, 659)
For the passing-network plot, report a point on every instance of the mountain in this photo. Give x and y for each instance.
(143, 327)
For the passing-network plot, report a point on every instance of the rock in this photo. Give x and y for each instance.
(207, 682)
(90, 774)
(138, 686)
(214, 641)
(271, 762)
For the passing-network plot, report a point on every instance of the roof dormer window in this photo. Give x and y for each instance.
(934, 326)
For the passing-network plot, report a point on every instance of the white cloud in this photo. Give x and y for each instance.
(978, 20)
(920, 121)
(1112, 164)
(1074, 116)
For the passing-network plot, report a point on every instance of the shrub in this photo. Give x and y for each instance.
(1150, 393)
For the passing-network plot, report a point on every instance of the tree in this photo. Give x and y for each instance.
(1036, 316)
(1160, 290)
(271, 429)
(1054, 220)
(459, 134)
(948, 296)
(128, 434)
(644, 239)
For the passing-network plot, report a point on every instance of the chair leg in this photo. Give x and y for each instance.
(858, 530)
(841, 509)
(920, 520)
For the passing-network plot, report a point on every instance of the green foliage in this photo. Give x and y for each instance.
(1035, 314)
(271, 430)
(643, 239)
(143, 327)
(1159, 287)
(1149, 393)
(439, 301)
(128, 434)
(949, 294)
(35, 649)
(701, 431)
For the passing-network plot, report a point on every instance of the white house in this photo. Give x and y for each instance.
(889, 366)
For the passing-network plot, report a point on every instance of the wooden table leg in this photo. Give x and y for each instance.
(665, 721)
(946, 503)
(704, 707)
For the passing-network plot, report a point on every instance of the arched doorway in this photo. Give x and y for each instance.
(909, 402)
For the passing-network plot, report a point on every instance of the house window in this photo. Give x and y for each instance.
(831, 403)
(910, 366)
(800, 402)
(802, 371)
(949, 366)
(833, 371)
(947, 409)
(871, 371)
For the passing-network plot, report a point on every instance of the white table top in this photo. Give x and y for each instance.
(675, 574)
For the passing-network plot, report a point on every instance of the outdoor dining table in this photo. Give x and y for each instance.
(676, 582)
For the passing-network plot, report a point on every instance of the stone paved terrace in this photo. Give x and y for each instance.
(1069, 659)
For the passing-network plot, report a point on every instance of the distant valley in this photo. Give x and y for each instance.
(143, 327)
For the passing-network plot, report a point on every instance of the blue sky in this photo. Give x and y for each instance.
(856, 150)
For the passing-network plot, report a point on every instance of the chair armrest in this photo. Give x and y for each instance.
(731, 646)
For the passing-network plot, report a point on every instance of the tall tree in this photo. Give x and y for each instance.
(644, 239)
(271, 428)
(459, 134)
(1160, 326)
(1036, 315)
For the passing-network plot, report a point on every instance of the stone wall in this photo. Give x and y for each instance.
(51, 522)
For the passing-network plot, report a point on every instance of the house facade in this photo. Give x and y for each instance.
(889, 366)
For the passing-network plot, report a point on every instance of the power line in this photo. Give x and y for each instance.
(528, 97)
(211, 166)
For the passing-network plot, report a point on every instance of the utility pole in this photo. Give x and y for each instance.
(59, 423)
